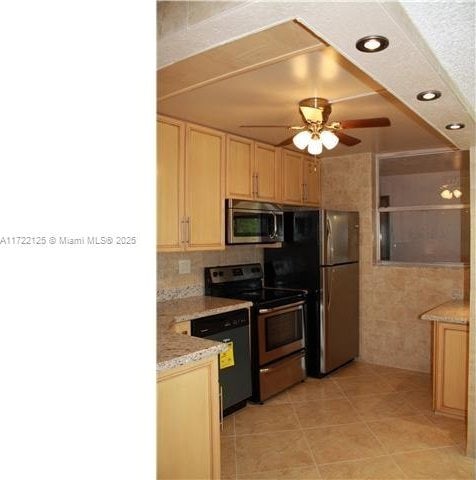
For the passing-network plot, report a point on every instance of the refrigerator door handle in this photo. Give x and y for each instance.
(324, 305)
(329, 242)
(329, 291)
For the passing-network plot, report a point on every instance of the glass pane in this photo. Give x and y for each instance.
(282, 329)
(429, 236)
(252, 224)
(430, 179)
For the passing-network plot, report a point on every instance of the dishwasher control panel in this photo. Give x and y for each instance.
(203, 327)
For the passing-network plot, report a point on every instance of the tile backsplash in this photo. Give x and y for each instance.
(171, 284)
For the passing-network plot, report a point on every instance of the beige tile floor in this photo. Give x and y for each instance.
(362, 422)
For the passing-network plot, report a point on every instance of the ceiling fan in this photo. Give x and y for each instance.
(317, 132)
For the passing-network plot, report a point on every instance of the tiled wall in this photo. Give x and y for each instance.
(391, 298)
(171, 284)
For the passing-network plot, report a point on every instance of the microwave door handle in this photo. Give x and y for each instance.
(275, 222)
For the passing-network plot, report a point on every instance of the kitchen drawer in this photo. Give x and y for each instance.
(278, 376)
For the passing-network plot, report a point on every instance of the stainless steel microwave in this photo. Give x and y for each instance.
(253, 222)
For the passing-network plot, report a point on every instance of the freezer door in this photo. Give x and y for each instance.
(339, 237)
(339, 315)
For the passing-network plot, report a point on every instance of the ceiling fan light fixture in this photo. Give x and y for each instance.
(428, 95)
(446, 194)
(329, 139)
(301, 140)
(455, 126)
(372, 43)
(315, 146)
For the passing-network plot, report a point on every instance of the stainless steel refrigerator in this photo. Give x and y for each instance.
(321, 254)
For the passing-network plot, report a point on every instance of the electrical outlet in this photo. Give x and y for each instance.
(184, 266)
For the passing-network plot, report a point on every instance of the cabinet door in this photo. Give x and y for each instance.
(188, 422)
(170, 165)
(312, 182)
(239, 168)
(267, 172)
(292, 177)
(450, 368)
(204, 188)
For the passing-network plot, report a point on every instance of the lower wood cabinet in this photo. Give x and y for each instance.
(188, 422)
(450, 368)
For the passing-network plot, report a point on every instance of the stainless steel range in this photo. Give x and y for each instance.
(277, 326)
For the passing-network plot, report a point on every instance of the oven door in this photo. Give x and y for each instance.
(280, 331)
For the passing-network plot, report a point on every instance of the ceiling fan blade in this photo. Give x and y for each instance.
(288, 141)
(347, 139)
(290, 127)
(365, 122)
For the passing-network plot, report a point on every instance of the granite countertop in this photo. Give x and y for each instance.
(175, 349)
(454, 311)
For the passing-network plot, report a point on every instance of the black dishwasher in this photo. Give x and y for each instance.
(234, 365)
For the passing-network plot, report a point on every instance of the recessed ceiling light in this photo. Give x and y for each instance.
(454, 126)
(372, 43)
(428, 95)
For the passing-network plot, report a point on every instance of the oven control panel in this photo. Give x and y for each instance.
(233, 273)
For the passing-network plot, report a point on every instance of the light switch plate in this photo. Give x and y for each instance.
(184, 266)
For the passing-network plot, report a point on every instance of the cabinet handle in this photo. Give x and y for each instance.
(257, 185)
(188, 230)
(255, 188)
(183, 234)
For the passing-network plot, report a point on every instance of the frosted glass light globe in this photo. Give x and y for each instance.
(329, 139)
(301, 140)
(457, 193)
(446, 194)
(315, 146)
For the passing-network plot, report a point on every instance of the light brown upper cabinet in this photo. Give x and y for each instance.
(301, 179)
(170, 194)
(204, 188)
(253, 170)
(190, 193)
(311, 182)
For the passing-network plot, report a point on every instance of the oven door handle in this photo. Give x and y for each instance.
(296, 306)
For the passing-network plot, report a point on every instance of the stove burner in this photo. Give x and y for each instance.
(244, 282)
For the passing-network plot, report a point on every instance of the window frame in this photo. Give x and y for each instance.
(377, 210)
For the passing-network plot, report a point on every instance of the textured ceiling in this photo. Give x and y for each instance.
(423, 53)
(448, 28)
(268, 93)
